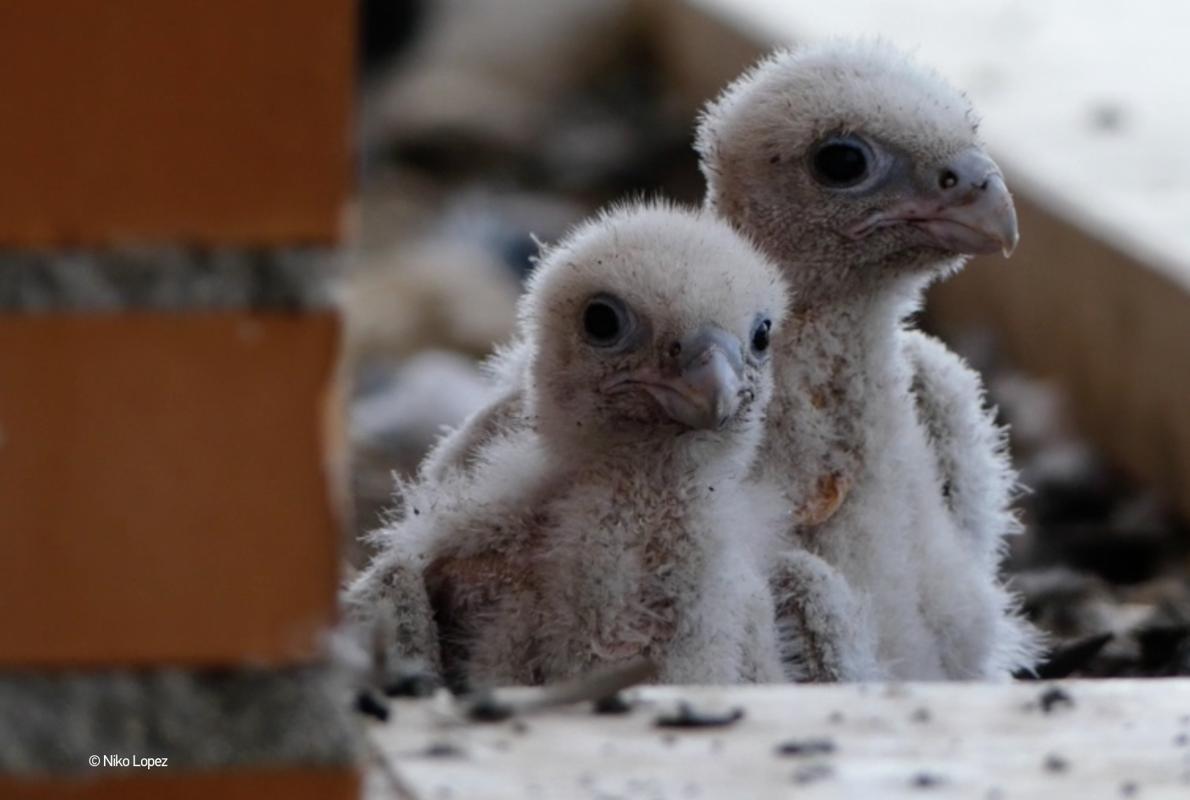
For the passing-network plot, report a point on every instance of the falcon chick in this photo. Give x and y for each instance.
(616, 525)
(862, 174)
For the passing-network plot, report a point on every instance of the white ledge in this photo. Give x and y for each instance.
(959, 740)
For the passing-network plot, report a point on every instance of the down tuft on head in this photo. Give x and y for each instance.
(795, 96)
(689, 263)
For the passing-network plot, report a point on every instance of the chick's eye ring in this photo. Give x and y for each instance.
(760, 335)
(841, 162)
(605, 321)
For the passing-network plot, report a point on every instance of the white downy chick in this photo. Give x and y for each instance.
(618, 525)
(862, 174)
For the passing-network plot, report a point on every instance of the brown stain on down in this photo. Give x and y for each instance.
(295, 783)
(462, 588)
(830, 492)
(226, 121)
(162, 496)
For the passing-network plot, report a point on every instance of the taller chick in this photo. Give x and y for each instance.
(619, 524)
(863, 175)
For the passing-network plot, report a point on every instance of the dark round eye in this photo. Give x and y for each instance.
(839, 163)
(604, 321)
(760, 336)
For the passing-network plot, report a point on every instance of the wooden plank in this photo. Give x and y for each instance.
(295, 783)
(1114, 739)
(698, 51)
(161, 489)
(219, 122)
(1112, 332)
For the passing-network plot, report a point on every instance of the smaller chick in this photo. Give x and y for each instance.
(617, 525)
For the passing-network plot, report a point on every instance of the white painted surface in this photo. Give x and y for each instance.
(1085, 102)
(973, 740)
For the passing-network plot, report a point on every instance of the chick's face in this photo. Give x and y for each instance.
(622, 366)
(852, 157)
(654, 331)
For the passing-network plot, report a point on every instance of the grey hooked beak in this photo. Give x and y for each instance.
(706, 391)
(967, 210)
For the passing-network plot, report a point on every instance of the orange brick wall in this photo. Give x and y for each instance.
(222, 121)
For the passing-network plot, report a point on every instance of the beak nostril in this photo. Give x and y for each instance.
(948, 179)
(983, 187)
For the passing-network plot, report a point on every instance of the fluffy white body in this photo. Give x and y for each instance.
(863, 176)
(614, 521)
(571, 566)
(844, 404)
